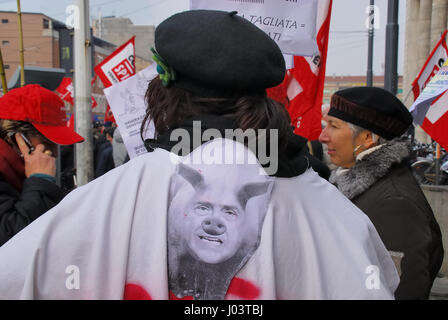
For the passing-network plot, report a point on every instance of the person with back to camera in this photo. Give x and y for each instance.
(166, 226)
(32, 123)
(364, 138)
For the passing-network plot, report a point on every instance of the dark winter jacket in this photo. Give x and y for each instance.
(23, 203)
(382, 185)
(293, 156)
(105, 160)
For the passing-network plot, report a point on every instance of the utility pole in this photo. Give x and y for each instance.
(21, 50)
(390, 72)
(83, 102)
(100, 26)
(2, 75)
(370, 46)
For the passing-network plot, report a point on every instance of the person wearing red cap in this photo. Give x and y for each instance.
(32, 124)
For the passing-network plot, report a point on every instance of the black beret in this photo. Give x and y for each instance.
(217, 53)
(374, 109)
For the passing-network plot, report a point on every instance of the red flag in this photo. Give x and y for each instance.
(109, 116)
(304, 84)
(65, 90)
(431, 67)
(94, 103)
(430, 110)
(119, 65)
(436, 121)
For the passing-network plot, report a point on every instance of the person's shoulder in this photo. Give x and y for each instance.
(159, 159)
(399, 184)
(309, 190)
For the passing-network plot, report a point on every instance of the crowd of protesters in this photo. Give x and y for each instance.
(363, 138)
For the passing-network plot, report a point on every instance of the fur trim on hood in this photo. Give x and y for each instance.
(371, 168)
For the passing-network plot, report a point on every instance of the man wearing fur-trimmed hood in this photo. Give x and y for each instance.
(363, 135)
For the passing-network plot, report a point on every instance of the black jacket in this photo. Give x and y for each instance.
(18, 209)
(382, 185)
(105, 159)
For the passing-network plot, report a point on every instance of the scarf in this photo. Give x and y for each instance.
(370, 167)
(12, 167)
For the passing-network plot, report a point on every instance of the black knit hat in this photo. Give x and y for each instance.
(374, 109)
(217, 53)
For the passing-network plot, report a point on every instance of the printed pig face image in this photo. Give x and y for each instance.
(215, 224)
(215, 219)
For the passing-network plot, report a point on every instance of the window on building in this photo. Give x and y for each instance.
(6, 66)
(46, 24)
(65, 53)
(5, 42)
(5, 20)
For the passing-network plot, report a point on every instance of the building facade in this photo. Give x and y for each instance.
(118, 30)
(49, 43)
(335, 83)
(40, 41)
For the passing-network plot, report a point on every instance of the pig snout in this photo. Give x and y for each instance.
(213, 226)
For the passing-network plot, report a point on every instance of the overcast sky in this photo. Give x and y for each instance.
(347, 53)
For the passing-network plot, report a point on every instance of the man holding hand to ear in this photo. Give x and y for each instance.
(32, 124)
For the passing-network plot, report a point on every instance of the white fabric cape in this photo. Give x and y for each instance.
(315, 244)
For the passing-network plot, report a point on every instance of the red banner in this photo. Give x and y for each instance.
(66, 91)
(436, 121)
(119, 65)
(304, 84)
(431, 67)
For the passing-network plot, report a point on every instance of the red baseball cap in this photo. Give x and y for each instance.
(43, 109)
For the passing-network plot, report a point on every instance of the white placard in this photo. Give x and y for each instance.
(127, 101)
(290, 23)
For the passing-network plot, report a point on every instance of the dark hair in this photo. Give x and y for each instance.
(167, 107)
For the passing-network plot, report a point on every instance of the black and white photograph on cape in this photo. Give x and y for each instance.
(216, 212)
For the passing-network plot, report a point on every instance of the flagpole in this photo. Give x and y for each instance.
(370, 44)
(407, 96)
(390, 72)
(21, 50)
(437, 164)
(2, 75)
(83, 100)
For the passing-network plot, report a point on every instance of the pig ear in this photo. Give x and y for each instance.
(192, 176)
(251, 190)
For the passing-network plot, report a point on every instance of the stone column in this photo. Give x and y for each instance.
(424, 31)
(410, 67)
(424, 41)
(438, 20)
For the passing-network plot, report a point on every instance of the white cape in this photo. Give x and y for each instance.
(110, 236)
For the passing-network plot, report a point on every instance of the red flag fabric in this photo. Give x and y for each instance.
(431, 67)
(304, 84)
(119, 65)
(65, 90)
(94, 103)
(109, 116)
(436, 121)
